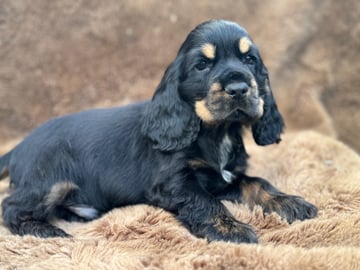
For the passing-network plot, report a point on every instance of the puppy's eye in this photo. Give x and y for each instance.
(250, 59)
(203, 64)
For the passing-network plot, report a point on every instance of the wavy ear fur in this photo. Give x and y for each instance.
(270, 126)
(169, 121)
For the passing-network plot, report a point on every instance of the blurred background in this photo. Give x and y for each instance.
(58, 57)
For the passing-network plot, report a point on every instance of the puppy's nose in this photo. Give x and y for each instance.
(237, 89)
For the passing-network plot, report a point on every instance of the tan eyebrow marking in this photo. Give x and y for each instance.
(216, 86)
(244, 44)
(253, 83)
(208, 50)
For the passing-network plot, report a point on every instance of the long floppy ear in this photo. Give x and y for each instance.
(169, 121)
(268, 128)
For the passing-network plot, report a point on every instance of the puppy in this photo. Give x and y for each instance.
(182, 150)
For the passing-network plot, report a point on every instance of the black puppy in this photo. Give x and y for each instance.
(182, 151)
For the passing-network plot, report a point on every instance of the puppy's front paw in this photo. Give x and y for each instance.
(291, 207)
(228, 229)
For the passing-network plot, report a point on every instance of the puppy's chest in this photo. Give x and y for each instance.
(219, 156)
(226, 159)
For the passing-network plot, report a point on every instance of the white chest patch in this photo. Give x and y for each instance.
(227, 176)
(224, 154)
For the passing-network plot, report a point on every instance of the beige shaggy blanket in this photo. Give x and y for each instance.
(323, 170)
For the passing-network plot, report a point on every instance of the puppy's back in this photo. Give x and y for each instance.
(62, 142)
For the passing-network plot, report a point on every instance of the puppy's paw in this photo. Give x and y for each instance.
(230, 230)
(39, 229)
(291, 207)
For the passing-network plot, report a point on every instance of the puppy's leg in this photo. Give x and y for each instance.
(202, 213)
(214, 222)
(28, 211)
(257, 191)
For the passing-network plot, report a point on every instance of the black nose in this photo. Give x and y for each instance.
(237, 89)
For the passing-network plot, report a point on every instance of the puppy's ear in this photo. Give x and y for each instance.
(169, 121)
(268, 128)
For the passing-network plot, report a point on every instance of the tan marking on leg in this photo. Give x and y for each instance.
(226, 224)
(253, 193)
(221, 225)
(4, 172)
(58, 193)
(209, 50)
(203, 112)
(244, 44)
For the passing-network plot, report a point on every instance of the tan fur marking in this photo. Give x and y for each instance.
(244, 44)
(226, 224)
(208, 50)
(249, 194)
(220, 226)
(4, 173)
(264, 197)
(216, 87)
(58, 193)
(239, 169)
(267, 86)
(203, 112)
(253, 194)
(198, 163)
(253, 83)
(261, 107)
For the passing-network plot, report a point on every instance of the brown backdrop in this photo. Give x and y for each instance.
(63, 56)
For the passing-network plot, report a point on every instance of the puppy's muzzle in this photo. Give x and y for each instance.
(237, 89)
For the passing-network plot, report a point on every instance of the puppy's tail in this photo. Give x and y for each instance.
(4, 165)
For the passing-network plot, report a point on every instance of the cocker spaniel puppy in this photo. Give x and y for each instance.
(182, 150)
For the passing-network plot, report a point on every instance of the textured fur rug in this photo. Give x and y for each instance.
(323, 170)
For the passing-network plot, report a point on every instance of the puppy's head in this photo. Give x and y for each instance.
(218, 76)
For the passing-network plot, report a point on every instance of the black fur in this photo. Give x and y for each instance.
(182, 151)
(170, 122)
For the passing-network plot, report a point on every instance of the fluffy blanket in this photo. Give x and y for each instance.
(320, 168)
